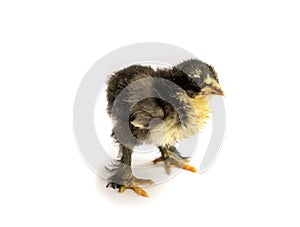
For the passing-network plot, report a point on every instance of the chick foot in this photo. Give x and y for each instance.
(123, 179)
(172, 158)
(134, 182)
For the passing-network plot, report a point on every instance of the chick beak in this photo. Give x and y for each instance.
(213, 89)
(217, 91)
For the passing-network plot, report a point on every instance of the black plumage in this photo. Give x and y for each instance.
(142, 101)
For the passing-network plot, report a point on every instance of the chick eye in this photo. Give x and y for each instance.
(191, 93)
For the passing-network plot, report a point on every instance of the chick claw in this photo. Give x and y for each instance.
(133, 186)
(174, 160)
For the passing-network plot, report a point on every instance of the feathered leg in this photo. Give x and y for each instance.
(122, 177)
(172, 158)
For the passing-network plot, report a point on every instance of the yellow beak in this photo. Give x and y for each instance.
(213, 89)
(217, 91)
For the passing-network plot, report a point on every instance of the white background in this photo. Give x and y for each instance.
(46, 48)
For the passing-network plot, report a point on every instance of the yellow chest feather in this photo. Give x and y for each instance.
(202, 108)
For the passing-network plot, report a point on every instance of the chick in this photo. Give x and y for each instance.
(159, 107)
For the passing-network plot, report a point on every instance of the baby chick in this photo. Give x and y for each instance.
(159, 107)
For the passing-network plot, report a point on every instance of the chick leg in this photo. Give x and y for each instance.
(172, 158)
(122, 177)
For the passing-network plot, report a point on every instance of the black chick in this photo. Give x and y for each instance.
(158, 107)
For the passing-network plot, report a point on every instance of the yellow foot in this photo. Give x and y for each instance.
(133, 185)
(137, 190)
(173, 159)
(190, 168)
